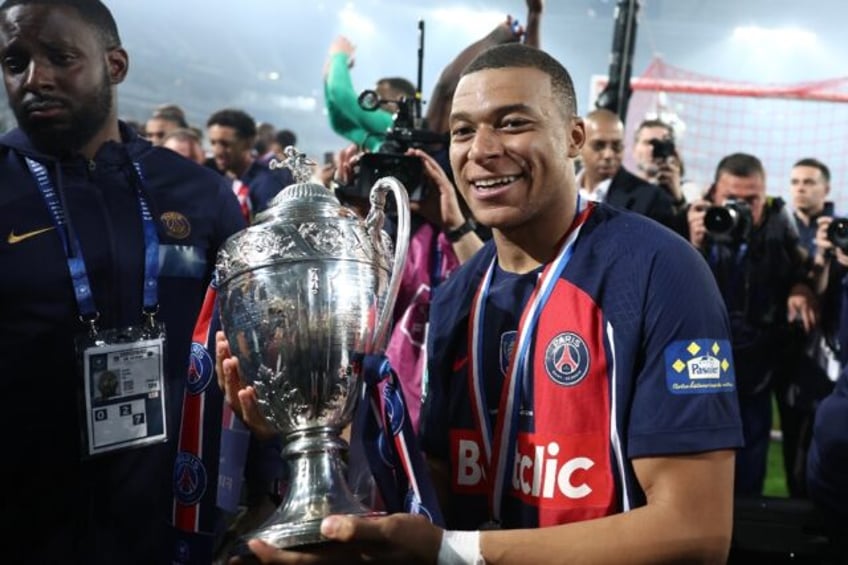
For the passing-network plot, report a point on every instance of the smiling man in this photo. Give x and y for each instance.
(108, 245)
(603, 411)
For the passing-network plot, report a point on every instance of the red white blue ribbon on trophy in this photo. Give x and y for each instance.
(383, 430)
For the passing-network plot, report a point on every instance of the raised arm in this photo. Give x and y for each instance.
(439, 105)
(532, 33)
(362, 127)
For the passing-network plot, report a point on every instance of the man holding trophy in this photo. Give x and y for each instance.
(581, 403)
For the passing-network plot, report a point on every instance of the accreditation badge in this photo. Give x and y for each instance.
(123, 383)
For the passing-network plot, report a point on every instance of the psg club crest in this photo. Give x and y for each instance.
(567, 359)
(507, 345)
(199, 369)
(189, 479)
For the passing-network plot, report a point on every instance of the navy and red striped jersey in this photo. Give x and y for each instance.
(630, 358)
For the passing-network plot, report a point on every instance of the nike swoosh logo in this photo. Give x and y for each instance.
(15, 238)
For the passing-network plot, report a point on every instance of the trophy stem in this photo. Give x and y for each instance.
(317, 488)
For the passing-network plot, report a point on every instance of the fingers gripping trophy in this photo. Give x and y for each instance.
(303, 295)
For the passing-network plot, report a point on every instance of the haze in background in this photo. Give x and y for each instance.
(266, 56)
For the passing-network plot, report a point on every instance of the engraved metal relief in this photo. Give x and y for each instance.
(297, 295)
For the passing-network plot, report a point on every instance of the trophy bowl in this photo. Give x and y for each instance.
(302, 296)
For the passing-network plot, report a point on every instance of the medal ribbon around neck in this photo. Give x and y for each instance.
(499, 444)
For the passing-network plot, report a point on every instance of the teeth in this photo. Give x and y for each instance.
(489, 183)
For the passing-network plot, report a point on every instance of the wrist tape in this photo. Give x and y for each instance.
(460, 548)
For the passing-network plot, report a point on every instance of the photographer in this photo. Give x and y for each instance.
(604, 179)
(812, 363)
(753, 251)
(827, 457)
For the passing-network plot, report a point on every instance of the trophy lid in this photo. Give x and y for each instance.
(305, 193)
(305, 221)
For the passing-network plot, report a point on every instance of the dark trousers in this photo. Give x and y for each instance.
(751, 459)
(796, 426)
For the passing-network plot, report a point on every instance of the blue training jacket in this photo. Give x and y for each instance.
(114, 508)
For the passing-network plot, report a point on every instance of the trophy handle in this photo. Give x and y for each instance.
(374, 221)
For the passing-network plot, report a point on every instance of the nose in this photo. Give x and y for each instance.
(486, 144)
(39, 76)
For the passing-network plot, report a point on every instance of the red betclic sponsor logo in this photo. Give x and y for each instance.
(547, 470)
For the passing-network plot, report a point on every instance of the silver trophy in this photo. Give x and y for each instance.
(302, 295)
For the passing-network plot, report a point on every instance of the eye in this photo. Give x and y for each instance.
(461, 132)
(15, 64)
(61, 58)
(514, 123)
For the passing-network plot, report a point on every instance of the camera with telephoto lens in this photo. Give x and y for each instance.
(731, 222)
(390, 158)
(662, 149)
(837, 233)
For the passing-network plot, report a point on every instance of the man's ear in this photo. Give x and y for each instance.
(576, 136)
(118, 63)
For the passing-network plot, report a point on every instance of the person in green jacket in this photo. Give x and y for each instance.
(365, 128)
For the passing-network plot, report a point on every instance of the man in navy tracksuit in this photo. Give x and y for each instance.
(82, 198)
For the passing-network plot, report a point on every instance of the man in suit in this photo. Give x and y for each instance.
(603, 177)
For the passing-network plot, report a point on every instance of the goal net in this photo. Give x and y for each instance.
(712, 118)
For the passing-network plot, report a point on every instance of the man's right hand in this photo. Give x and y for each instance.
(342, 44)
(240, 397)
(695, 216)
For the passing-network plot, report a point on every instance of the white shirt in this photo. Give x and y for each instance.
(598, 194)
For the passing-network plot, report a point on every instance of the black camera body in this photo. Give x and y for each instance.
(731, 222)
(662, 149)
(837, 233)
(390, 159)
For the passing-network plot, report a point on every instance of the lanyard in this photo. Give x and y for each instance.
(499, 444)
(73, 250)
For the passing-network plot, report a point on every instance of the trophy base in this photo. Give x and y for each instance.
(291, 536)
(318, 489)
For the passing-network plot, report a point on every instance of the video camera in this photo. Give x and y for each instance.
(837, 233)
(662, 149)
(731, 223)
(390, 159)
(406, 132)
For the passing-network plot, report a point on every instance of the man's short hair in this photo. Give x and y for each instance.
(92, 12)
(285, 137)
(240, 121)
(654, 123)
(400, 85)
(170, 113)
(517, 55)
(813, 162)
(183, 134)
(740, 165)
